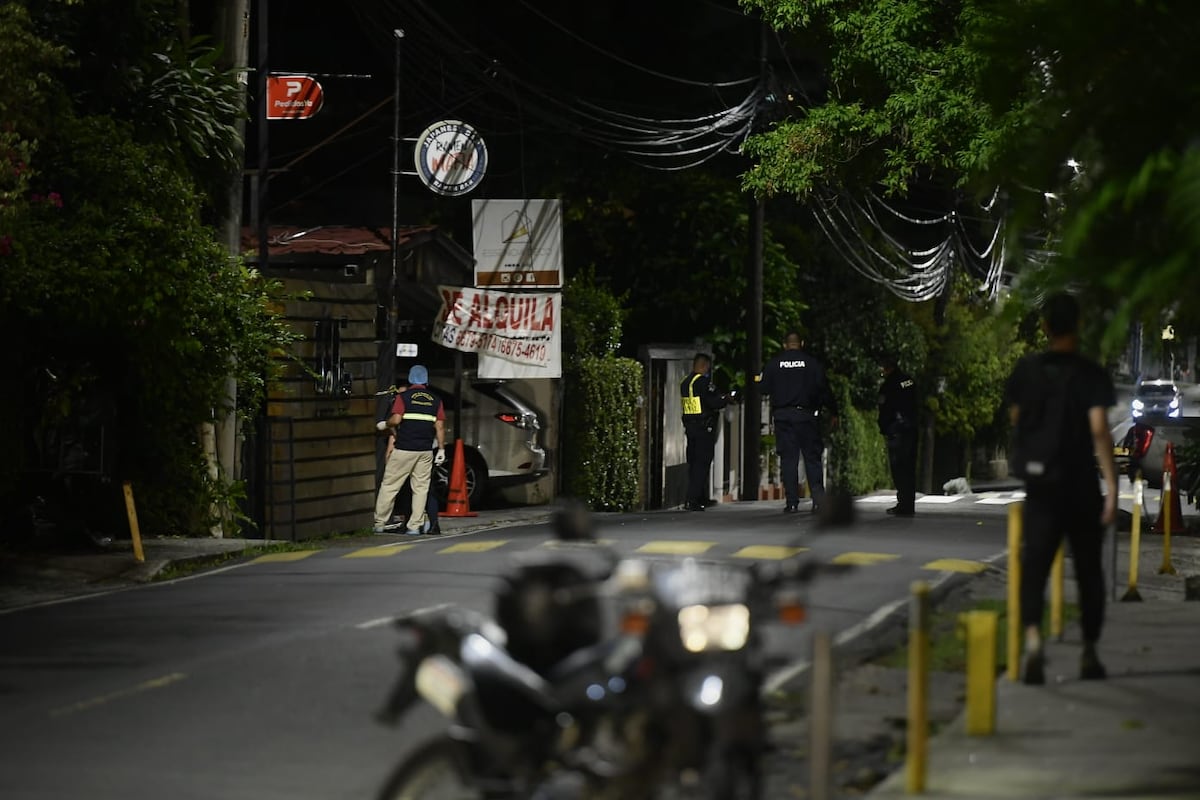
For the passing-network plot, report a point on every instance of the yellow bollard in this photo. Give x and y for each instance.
(1056, 593)
(980, 627)
(1167, 567)
(1135, 543)
(918, 689)
(134, 534)
(1013, 650)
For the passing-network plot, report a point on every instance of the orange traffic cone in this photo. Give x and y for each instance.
(457, 504)
(1171, 510)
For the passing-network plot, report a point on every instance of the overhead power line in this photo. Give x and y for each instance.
(609, 54)
(882, 251)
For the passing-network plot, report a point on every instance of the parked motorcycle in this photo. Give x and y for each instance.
(624, 679)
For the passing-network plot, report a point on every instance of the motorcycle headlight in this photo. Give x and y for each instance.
(1138, 405)
(703, 628)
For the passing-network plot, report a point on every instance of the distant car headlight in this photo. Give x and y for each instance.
(1174, 403)
(703, 628)
(1138, 405)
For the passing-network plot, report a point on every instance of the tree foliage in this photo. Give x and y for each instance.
(602, 459)
(592, 317)
(1101, 110)
(902, 103)
(1083, 113)
(109, 280)
(675, 247)
(976, 352)
(601, 454)
(857, 451)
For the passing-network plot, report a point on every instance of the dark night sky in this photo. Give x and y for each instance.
(503, 67)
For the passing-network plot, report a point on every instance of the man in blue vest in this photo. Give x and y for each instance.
(701, 411)
(418, 418)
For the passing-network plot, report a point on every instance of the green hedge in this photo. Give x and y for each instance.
(601, 458)
(857, 450)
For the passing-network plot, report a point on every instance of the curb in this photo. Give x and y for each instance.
(886, 617)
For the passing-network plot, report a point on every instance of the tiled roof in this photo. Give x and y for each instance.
(285, 240)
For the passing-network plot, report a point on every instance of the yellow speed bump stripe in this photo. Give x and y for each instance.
(379, 552)
(474, 547)
(676, 548)
(287, 555)
(864, 559)
(556, 543)
(957, 565)
(769, 552)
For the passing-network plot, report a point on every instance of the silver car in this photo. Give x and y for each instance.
(1156, 399)
(501, 435)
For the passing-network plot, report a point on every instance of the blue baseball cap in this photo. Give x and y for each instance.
(418, 374)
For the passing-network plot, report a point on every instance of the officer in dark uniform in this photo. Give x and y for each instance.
(898, 424)
(702, 406)
(799, 391)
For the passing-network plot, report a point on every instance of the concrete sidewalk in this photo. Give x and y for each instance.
(1135, 735)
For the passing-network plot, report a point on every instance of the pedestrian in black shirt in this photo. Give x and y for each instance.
(1059, 404)
(702, 405)
(796, 384)
(898, 424)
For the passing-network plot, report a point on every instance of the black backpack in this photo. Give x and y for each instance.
(1042, 423)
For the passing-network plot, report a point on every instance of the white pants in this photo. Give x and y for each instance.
(415, 466)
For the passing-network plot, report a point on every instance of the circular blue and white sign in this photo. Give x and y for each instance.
(451, 157)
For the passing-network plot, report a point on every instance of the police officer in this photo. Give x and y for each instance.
(898, 424)
(418, 419)
(799, 390)
(702, 405)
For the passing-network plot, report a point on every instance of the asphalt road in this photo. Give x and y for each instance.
(259, 681)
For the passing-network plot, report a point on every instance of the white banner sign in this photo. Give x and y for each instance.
(518, 243)
(518, 334)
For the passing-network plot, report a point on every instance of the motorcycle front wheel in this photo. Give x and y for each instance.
(430, 773)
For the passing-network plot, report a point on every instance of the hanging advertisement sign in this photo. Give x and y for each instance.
(293, 97)
(518, 243)
(515, 335)
(451, 157)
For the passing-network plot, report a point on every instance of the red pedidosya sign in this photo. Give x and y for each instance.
(293, 97)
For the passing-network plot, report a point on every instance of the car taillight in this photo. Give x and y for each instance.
(1142, 436)
(518, 420)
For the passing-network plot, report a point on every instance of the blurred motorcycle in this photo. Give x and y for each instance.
(631, 679)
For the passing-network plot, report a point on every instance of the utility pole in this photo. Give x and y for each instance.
(232, 34)
(752, 406)
(264, 149)
(385, 280)
(929, 437)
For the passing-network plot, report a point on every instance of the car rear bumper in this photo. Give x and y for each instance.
(505, 479)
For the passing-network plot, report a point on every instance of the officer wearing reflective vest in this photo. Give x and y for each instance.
(701, 405)
(898, 424)
(799, 391)
(418, 418)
